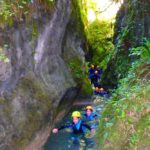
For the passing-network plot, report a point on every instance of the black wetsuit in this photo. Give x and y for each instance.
(77, 128)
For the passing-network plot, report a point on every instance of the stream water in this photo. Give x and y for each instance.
(63, 139)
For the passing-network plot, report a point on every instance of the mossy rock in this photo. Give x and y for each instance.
(86, 88)
(75, 67)
(36, 110)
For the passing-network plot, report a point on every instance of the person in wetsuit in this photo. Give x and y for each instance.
(102, 92)
(96, 91)
(91, 70)
(94, 78)
(78, 127)
(97, 68)
(90, 117)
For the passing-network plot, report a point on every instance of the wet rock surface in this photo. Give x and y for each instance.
(36, 78)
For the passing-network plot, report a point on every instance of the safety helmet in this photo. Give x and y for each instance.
(92, 66)
(76, 114)
(89, 107)
(101, 89)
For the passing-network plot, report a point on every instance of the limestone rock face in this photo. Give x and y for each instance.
(37, 77)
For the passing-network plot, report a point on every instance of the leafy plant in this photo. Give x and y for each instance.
(3, 57)
(20, 8)
(129, 106)
(142, 51)
(76, 69)
(100, 41)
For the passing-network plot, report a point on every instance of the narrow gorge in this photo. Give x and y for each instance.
(46, 47)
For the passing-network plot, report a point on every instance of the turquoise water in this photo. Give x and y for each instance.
(64, 139)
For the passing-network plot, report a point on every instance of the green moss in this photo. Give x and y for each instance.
(75, 66)
(76, 18)
(86, 89)
(36, 112)
(2, 101)
(28, 130)
(36, 87)
(6, 108)
(125, 38)
(11, 10)
(34, 30)
(78, 70)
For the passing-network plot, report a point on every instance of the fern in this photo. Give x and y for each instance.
(142, 51)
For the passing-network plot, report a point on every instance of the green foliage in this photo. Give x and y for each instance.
(83, 12)
(142, 51)
(13, 9)
(20, 8)
(78, 72)
(34, 30)
(5, 10)
(100, 41)
(78, 16)
(76, 69)
(125, 39)
(125, 120)
(3, 57)
(86, 89)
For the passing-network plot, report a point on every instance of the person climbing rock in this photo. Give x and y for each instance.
(78, 128)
